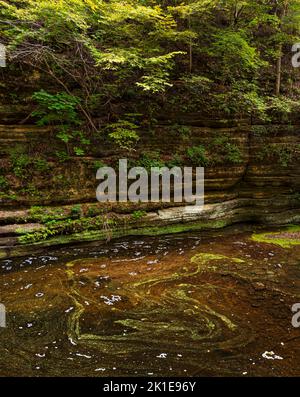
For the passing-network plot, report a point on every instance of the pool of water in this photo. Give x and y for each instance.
(196, 304)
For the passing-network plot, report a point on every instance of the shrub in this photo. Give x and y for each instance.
(149, 160)
(282, 154)
(224, 151)
(19, 161)
(233, 154)
(124, 134)
(3, 183)
(41, 165)
(98, 164)
(197, 155)
(181, 130)
(138, 214)
(176, 161)
(76, 211)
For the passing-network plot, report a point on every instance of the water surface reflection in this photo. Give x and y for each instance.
(191, 304)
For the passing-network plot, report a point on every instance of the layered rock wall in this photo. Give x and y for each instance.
(262, 185)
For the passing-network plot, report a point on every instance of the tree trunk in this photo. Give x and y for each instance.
(282, 14)
(278, 71)
(190, 47)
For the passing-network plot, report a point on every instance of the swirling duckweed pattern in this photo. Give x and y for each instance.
(188, 305)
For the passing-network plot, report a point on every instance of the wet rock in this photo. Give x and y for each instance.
(258, 286)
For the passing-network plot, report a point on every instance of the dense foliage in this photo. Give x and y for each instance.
(122, 62)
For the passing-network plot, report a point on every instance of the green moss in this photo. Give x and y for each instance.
(178, 228)
(138, 214)
(3, 254)
(67, 227)
(282, 241)
(101, 228)
(46, 214)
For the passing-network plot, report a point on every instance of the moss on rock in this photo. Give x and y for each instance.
(285, 238)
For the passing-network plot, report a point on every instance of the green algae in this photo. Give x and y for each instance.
(200, 308)
(204, 258)
(142, 291)
(282, 241)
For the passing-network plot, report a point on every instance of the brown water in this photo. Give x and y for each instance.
(181, 305)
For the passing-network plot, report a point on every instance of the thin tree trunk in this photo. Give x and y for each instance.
(282, 14)
(190, 47)
(190, 58)
(278, 71)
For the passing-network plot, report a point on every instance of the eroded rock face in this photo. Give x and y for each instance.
(262, 185)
